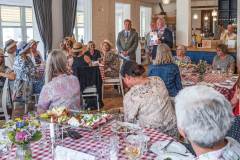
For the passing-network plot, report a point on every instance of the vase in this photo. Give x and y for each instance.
(23, 152)
(201, 77)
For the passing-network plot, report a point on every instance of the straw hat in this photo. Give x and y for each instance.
(22, 47)
(77, 47)
(108, 42)
(9, 44)
(32, 42)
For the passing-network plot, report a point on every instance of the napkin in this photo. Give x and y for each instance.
(63, 153)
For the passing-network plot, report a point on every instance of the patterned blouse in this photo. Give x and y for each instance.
(111, 65)
(230, 152)
(185, 60)
(63, 90)
(151, 106)
(25, 74)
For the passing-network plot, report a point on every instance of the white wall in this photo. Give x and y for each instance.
(196, 23)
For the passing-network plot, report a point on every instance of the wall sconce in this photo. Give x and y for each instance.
(214, 13)
(214, 19)
(195, 16)
(206, 18)
(165, 1)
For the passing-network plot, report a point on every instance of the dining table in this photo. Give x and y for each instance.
(222, 82)
(89, 144)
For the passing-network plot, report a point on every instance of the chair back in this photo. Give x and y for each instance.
(5, 92)
(88, 76)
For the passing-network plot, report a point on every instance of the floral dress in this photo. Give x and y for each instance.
(151, 106)
(25, 73)
(111, 65)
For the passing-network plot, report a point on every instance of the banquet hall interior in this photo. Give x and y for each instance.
(119, 79)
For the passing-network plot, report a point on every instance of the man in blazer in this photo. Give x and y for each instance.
(164, 35)
(127, 41)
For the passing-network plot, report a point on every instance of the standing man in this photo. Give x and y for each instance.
(127, 41)
(164, 36)
(164, 33)
(10, 53)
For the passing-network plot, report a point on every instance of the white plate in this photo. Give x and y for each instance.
(130, 126)
(173, 147)
(174, 156)
(187, 83)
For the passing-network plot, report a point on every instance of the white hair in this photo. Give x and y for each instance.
(203, 114)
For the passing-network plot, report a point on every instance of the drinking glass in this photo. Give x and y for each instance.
(133, 150)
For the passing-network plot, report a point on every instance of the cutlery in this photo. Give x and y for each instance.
(165, 148)
(179, 154)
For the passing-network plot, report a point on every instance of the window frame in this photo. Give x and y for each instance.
(23, 23)
(140, 27)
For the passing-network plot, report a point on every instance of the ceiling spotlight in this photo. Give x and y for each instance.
(195, 16)
(206, 18)
(165, 1)
(214, 13)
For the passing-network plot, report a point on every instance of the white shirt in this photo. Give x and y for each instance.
(230, 152)
(9, 60)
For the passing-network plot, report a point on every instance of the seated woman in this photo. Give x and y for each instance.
(164, 68)
(93, 53)
(5, 72)
(25, 73)
(180, 56)
(79, 58)
(111, 60)
(223, 61)
(147, 101)
(60, 89)
(204, 117)
(35, 54)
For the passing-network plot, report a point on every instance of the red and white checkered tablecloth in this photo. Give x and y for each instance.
(211, 78)
(88, 144)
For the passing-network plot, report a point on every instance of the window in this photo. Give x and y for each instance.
(122, 12)
(83, 23)
(145, 20)
(15, 23)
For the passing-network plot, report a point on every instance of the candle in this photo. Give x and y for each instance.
(52, 134)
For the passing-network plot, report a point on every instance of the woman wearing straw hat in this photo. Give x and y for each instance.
(111, 60)
(79, 58)
(10, 50)
(25, 73)
(35, 54)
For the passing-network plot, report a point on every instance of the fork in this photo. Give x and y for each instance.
(165, 147)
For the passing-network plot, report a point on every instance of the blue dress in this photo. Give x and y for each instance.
(170, 74)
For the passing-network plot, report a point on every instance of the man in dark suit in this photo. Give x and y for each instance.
(164, 35)
(127, 41)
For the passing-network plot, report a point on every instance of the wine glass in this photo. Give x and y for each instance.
(133, 150)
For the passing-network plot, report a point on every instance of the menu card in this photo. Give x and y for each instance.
(153, 38)
(63, 153)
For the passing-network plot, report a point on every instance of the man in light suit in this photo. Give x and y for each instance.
(127, 41)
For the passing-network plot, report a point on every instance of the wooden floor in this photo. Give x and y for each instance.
(111, 98)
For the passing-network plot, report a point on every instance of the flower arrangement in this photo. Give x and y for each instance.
(22, 132)
(202, 67)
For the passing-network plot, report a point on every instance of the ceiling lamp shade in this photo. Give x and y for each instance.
(195, 16)
(214, 13)
(165, 1)
(206, 18)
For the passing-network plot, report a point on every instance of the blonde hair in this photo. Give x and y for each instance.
(89, 43)
(163, 55)
(56, 63)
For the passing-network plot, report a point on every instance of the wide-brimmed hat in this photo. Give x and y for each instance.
(32, 42)
(22, 47)
(77, 47)
(9, 44)
(108, 42)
